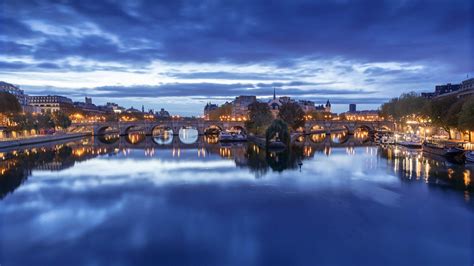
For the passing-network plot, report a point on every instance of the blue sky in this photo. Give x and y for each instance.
(182, 54)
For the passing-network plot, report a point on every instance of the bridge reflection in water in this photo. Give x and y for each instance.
(17, 165)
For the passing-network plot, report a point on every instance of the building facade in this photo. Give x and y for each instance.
(208, 109)
(365, 115)
(240, 105)
(51, 103)
(352, 107)
(162, 114)
(448, 88)
(15, 91)
(307, 106)
(467, 88)
(87, 106)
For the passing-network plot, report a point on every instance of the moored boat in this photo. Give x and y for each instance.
(441, 149)
(470, 156)
(410, 144)
(226, 136)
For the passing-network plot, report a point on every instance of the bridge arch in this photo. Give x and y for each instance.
(125, 130)
(369, 128)
(318, 137)
(383, 128)
(188, 134)
(108, 138)
(105, 129)
(339, 137)
(162, 134)
(134, 138)
(238, 128)
(317, 128)
(212, 129)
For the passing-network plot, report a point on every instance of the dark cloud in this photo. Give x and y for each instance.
(199, 90)
(276, 32)
(227, 76)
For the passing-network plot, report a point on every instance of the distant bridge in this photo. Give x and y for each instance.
(204, 126)
(328, 126)
(123, 128)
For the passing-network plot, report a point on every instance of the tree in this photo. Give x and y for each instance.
(404, 107)
(278, 129)
(466, 116)
(318, 115)
(61, 120)
(44, 121)
(443, 112)
(9, 103)
(260, 117)
(292, 114)
(23, 121)
(223, 110)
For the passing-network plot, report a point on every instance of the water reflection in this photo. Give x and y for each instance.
(162, 136)
(211, 204)
(17, 165)
(413, 164)
(188, 135)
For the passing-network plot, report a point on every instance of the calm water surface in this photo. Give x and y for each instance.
(145, 201)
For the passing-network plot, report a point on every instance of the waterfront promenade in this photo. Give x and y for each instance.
(39, 139)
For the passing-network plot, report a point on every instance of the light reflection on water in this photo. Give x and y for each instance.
(142, 202)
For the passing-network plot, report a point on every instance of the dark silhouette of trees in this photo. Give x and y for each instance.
(292, 114)
(279, 131)
(260, 118)
(466, 116)
(9, 103)
(61, 120)
(404, 107)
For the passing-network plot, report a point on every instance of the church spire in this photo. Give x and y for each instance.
(274, 94)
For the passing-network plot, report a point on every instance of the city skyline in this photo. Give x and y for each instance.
(136, 53)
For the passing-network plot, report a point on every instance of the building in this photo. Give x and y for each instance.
(162, 114)
(240, 105)
(352, 107)
(87, 106)
(275, 104)
(132, 110)
(51, 103)
(428, 95)
(15, 91)
(467, 88)
(112, 108)
(365, 115)
(448, 88)
(208, 109)
(307, 106)
(328, 107)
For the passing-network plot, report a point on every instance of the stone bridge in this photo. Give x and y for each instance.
(203, 126)
(328, 126)
(147, 127)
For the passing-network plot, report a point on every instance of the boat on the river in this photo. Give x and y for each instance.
(384, 137)
(470, 156)
(411, 144)
(442, 149)
(230, 136)
(411, 141)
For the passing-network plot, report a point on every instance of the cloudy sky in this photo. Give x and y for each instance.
(182, 54)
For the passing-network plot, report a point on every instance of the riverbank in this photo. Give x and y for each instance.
(39, 139)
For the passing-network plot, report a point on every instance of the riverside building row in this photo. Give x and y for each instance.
(53, 103)
(463, 89)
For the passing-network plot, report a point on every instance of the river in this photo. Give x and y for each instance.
(147, 201)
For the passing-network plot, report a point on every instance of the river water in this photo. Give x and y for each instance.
(147, 201)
